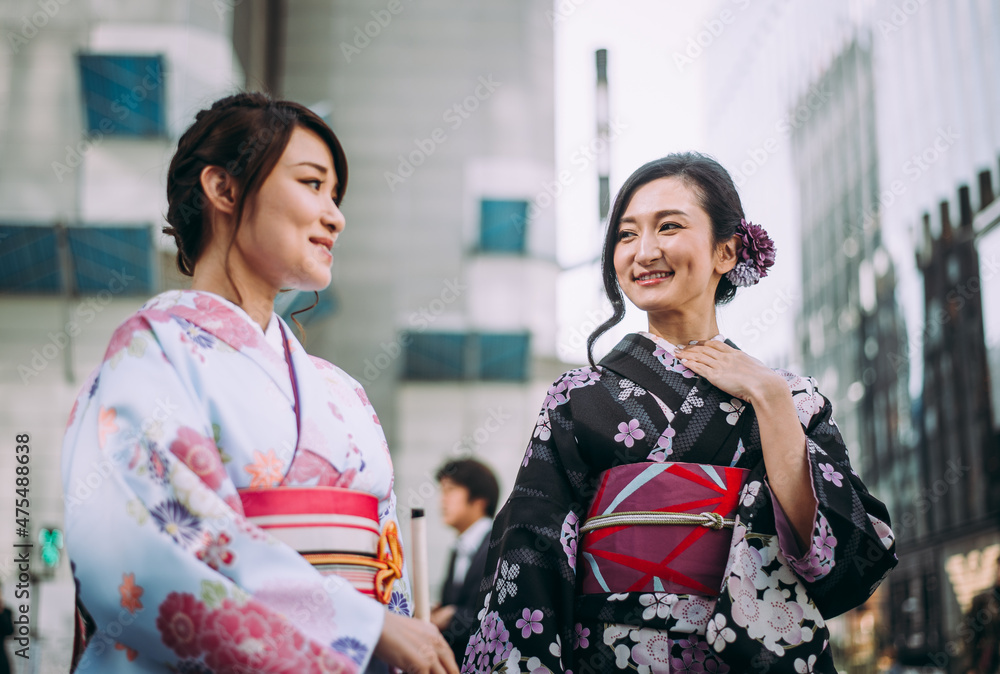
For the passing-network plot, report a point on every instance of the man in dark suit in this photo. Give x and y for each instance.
(469, 494)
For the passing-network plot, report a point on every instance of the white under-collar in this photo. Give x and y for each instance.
(671, 348)
(273, 336)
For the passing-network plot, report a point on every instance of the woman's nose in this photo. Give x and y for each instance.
(649, 249)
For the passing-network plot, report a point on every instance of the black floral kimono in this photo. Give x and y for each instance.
(640, 404)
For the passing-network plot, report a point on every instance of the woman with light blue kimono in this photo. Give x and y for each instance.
(229, 501)
(681, 507)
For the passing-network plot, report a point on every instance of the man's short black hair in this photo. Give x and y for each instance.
(474, 476)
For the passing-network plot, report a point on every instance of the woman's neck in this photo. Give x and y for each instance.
(254, 296)
(681, 329)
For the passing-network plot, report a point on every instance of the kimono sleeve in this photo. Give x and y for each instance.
(528, 588)
(165, 563)
(852, 547)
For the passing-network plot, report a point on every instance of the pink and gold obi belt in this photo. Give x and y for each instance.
(660, 527)
(335, 529)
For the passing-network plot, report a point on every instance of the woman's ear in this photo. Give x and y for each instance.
(219, 188)
(727, 254)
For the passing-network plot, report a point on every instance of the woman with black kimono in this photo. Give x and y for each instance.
(680, 506)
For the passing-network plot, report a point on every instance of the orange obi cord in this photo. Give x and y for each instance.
(388, 565)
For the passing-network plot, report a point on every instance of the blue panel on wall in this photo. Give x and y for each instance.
(29, 260)
(502, 226)
(116, 259)
(504, 357)
(435, 356)
(123, 95)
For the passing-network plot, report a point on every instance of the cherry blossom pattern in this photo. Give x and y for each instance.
(807, 403)
(805, 666)
(719, 634)
(882, 530)
(670, 361)
(819, 560)
(215, 550)
(830, 474)
(664, 446)
(490, 645)
(734, 408)
(750, 492)
(568, 537)
(580, 634)
(768, 601)
(558, 393)
(692, 613)
(629, 432)
(543, 427)
(652, 650)
(529, 622)
(658, 604)
(555, 648)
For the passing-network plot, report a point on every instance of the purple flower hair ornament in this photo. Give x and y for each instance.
(756, 255)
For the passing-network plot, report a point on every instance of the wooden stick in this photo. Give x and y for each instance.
(418, 565)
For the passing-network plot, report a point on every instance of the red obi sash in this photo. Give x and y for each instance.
(660, 527)
(336, 530)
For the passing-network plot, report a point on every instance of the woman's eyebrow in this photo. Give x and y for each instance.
(318, 167)
(657, 215)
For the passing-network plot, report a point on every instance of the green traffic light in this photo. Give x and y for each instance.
(51, 541)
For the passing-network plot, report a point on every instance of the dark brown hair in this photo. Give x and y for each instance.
(718, 197)
(245, 134)
(476, 477)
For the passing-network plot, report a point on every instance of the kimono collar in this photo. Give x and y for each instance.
(649, 361)
(230, 324)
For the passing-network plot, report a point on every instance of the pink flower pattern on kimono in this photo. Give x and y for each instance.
(310, 469)
(200, 454)
(771, 617)
(653, 650)
(180, 621)
(124, 334)
(629, 432)
(830, 474)
(693, 613)
(819, 559)
(491, 644)
(213, 391)
(215, 551)
(558, 393)
(218, 319)
(664, 446)
(530, 621)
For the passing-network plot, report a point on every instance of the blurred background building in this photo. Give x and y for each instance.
(873, 128)
(862, 135)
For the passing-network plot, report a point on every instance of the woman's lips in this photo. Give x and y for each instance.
(653, 278)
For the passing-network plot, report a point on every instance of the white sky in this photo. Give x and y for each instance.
(658, 109)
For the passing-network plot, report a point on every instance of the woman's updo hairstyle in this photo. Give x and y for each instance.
(245, 134)
(716, 195)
